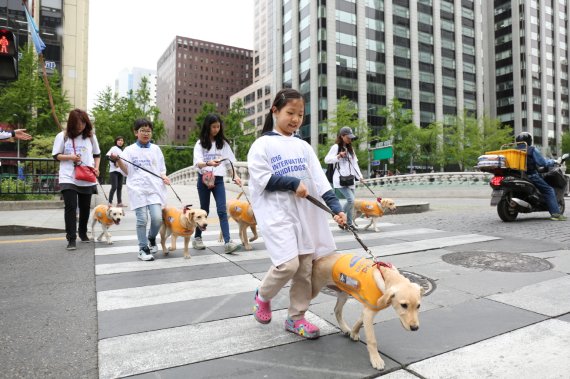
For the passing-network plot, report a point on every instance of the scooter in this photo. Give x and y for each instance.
(513, 193)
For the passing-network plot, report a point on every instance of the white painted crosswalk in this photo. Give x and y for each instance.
(174, 311)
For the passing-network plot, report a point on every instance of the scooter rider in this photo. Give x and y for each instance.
(534, 160)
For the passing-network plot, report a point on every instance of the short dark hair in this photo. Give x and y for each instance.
(140, 122)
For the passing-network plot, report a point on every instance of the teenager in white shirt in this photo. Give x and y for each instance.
(345, 161)
(115, 173)
(147, 193)
(77, 145)
(283, 170)
(210, 150)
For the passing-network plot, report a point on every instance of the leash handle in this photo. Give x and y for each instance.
(349, 227)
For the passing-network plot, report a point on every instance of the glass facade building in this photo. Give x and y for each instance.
(527, 46)
(424, 52)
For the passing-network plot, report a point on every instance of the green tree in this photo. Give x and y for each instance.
(345, 114)
(403, 133)
(25, 103)
(114, 116)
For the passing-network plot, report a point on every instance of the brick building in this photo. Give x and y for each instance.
(191, 73)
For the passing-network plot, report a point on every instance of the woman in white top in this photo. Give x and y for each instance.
(77, 145)
(345, 161)
(115, 173)
(212, 153)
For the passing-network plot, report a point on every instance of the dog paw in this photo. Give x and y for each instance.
(171, 249)
(187, 257)
(377, 362)
(248, 247)
(354, 336)
(252, 239)
(109, 242)
(165, 253)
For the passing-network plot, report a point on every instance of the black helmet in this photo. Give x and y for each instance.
(524, 137)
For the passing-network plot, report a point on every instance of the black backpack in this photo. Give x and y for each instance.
(330, 169)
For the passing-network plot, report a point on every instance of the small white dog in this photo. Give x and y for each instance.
(106, 216)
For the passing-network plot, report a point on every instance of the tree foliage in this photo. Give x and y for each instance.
(114, 115)
(345, 114)
(25, 103)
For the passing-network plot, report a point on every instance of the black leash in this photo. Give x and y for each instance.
(152, 173)
(349, 227)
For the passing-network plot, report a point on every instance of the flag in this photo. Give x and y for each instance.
(35, 32)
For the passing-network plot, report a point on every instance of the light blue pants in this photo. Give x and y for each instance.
(155, 211)
(348, 194)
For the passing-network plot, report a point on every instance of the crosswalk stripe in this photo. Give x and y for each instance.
(155, 350)
(159, 264)
(173, 292)
(429, 244)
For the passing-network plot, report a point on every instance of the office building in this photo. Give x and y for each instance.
(257, 98)
(424, 52)
(130, 80)
(191, 73)
(63, 26)
(527, 67)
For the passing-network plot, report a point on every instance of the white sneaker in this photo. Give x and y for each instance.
(145, 255)
(230, 247)
(198, 244)
(152, 245)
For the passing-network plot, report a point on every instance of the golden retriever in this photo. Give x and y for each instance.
(106, 216)
(181, 223)
(242, 213)
(373, 209)
(376, 285)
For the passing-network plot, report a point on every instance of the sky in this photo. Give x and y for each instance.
(135, 33)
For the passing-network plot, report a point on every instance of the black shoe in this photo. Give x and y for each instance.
(71, 245)
(84, 238)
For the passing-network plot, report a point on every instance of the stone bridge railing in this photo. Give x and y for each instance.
(451, 184)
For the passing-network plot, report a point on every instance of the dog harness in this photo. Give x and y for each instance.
(370, 208)
(239, 211)
(354, 275)
(101, 215)
(171, 218)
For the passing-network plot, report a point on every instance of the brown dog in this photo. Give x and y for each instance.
(373, 209)
(181, 223)
(242, 213)
(106, 216)
(376, 285)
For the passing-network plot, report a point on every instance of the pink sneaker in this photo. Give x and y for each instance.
(262, 310)
(303, 328)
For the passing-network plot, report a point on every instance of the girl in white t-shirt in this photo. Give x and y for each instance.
(210, 150)
(76, 145)
(115, 173)
(283, 170)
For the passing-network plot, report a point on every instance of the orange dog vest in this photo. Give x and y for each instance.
(353, 275)
(370, 208)
(239, 211)
(171, 217)
(101, 215)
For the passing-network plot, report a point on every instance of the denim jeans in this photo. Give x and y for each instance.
(547, 193)
(348, 194)
(219, 192)
(155, 211)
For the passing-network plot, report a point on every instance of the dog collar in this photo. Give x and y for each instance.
(383, 264)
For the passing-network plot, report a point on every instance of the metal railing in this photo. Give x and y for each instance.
(29, 176)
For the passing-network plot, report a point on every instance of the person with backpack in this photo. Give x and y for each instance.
(345, 169)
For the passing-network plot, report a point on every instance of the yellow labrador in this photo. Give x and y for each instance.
(242, 213)
(106, 216)
(373, 209)
(181, 223)
(377, 286)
